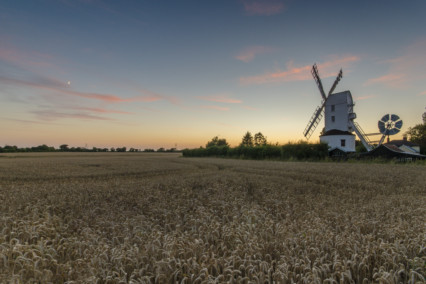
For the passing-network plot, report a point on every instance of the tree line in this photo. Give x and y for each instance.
(66, 148)
(257, 147)
(251, 146)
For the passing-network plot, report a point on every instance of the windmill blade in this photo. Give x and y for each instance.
(394, 117)
(315, 74)
(385, 118)
(339, 76)
(382, 127)
(398, 124)
(393, 131)
(314, 121)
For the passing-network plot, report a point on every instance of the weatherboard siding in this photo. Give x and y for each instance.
(339, 106)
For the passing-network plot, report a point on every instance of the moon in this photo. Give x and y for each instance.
(69, 83)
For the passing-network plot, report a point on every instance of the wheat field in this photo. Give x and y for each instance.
(161, 218)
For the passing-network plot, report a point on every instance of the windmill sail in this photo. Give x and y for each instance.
(319, 111)
(314, 121)
(339, 76)
(315, 74)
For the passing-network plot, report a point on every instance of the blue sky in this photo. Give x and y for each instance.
(151, 74)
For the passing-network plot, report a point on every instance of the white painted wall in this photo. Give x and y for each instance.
(334, 141)
(342, 103)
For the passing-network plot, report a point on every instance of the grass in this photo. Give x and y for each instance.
(159, 218)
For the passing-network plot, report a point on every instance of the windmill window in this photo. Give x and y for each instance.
(333, 118)
(343, 142)
(332, 107)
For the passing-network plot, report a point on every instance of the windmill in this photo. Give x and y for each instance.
(339, 118)
(318, 113)
(390, 124)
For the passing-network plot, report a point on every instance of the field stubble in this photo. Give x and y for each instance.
(160, 218)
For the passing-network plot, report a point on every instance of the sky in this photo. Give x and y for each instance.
(157, 73)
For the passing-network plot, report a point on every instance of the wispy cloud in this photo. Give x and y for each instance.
(405, 69)
(24, 121)
(55, 86)
(300, 73)
(101, 110)
(422, 93)
(221, 99)
(31, 59)
(249, 53)
(263, 7)
(392, 79)
(216, 108)
(364, 97)
(50, 115)
(156, 97)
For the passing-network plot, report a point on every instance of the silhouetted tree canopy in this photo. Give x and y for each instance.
(259, 139)
(64, 147)
(247, 140)
(216, 142)
(417, 134)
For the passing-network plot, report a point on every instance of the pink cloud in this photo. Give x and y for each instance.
(422, 93)
(263, 7)
(25, 59)
(216, 108)
(365, 97)
(221, 99)
(173, 100)
(292, 73)
(101, 110)
(24, 121)
(391, 79)
(153, 96)
(56, 86)
(249, 53)
(405, 69)
(54, 115)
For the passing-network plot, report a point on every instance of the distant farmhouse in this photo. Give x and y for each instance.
(402, 150)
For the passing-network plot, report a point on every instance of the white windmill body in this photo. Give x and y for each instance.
(339, 118)
(338, 128)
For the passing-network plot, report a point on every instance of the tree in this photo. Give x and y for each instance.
(64, 147)
(217, 142)
(247, 140)
(417, 134)
(259, 139)
(359, 147)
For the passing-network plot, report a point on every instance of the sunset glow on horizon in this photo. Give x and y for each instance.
(151, 74)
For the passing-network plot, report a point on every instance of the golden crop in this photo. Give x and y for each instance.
(160, 218)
